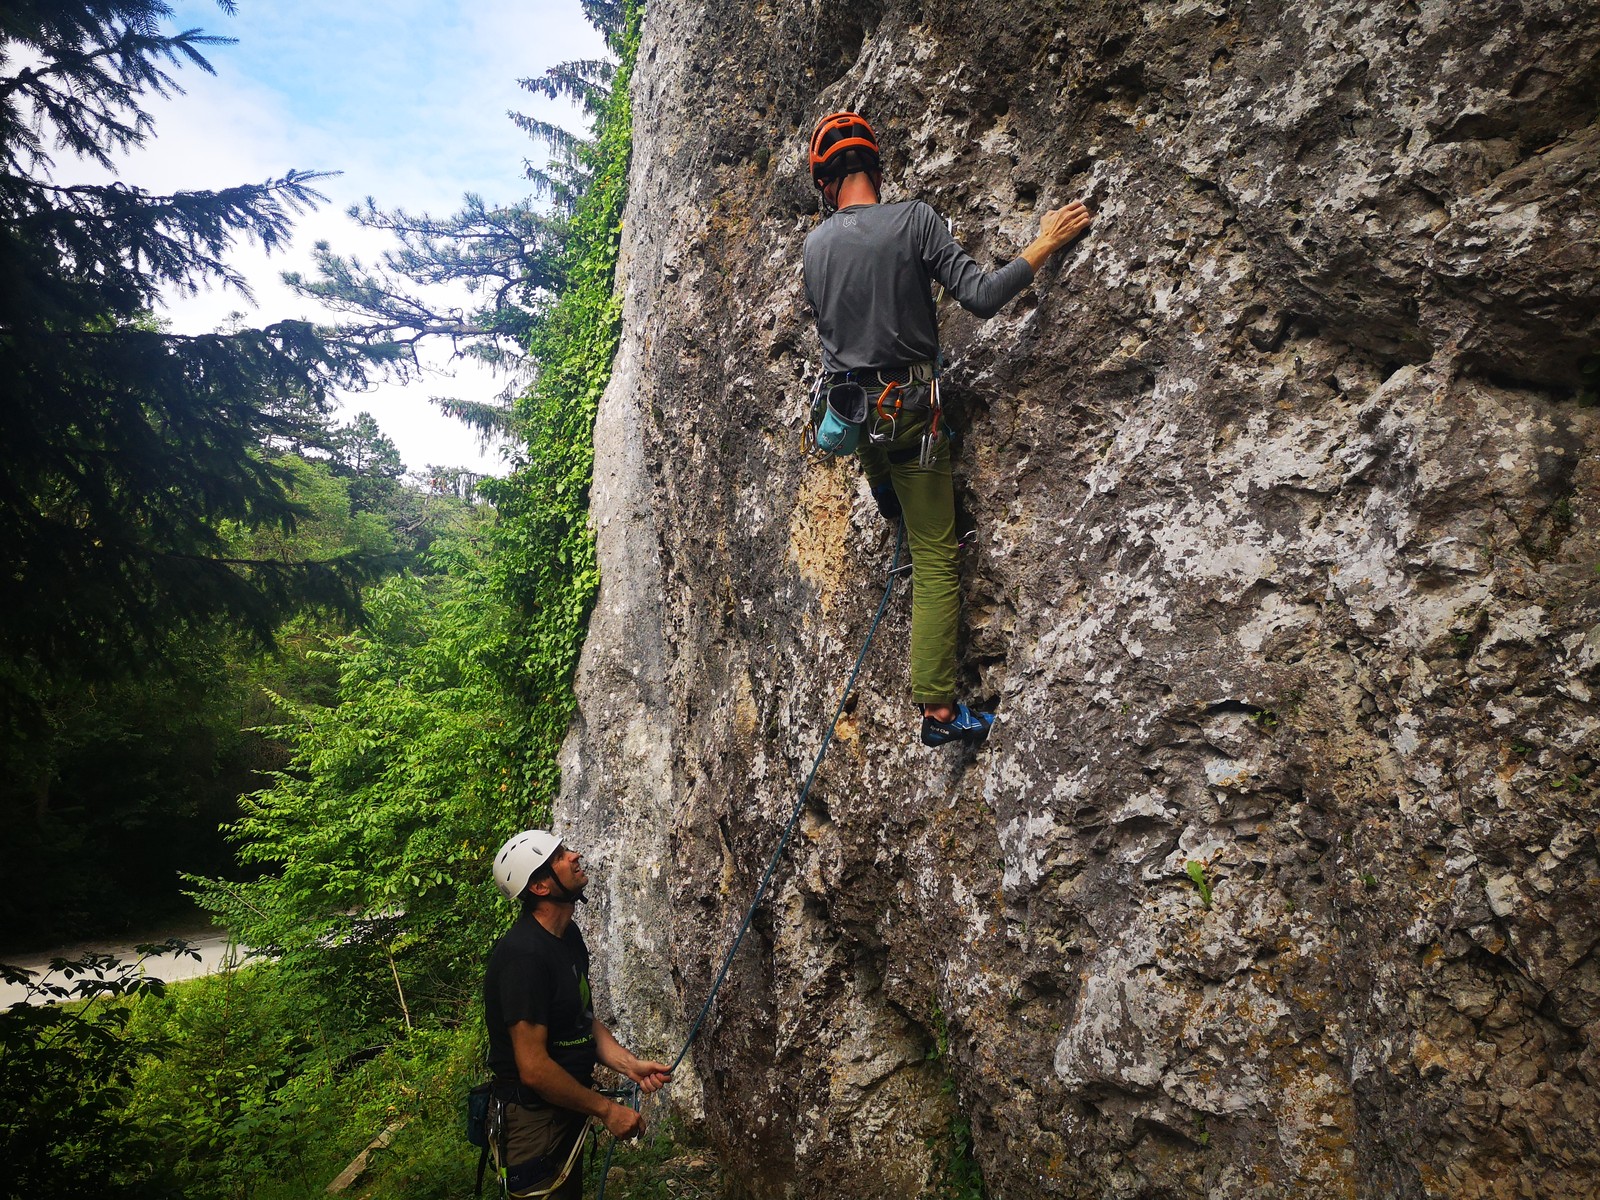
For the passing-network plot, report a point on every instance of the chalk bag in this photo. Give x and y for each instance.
(839, 430)
(477, 1114)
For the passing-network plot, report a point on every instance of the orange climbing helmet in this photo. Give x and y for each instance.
(835, 136)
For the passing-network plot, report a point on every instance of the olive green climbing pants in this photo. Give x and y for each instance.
(928, 508)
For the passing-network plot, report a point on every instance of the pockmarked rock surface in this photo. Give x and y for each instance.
(1280, 877)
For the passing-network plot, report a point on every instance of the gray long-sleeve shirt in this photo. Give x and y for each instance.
(869, 272)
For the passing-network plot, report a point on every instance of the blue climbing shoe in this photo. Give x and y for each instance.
(965, 726)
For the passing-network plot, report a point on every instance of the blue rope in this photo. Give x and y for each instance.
(788, 830)
(799, 806)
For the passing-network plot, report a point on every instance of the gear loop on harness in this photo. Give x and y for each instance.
(902, 392)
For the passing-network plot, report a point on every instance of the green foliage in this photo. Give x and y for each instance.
(591, 83)
(218, 1100)
(658, 1166)
(451, 705)
(256, 1094)
(109, 787)
(65, 1071)
(123, 445)
(546, 562)
(957, 1174)
(1196, 871)
(364, 454)
(393, 801)
(452, 700)
(331, 524)
(960, 1176)
(418, 1084)
(506, 255)
(408, 748)
(513, 257)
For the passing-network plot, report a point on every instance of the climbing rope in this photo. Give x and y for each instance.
(892, 575)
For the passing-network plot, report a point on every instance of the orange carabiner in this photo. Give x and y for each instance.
(898, 403)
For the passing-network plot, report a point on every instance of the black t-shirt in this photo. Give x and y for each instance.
(537, 977)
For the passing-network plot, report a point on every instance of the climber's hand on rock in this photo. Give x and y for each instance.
(1063, 224)
(1056, 228)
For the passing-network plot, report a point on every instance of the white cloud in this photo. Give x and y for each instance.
(408, 100)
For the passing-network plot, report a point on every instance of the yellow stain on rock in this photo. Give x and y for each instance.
(746, 716)
(819, 530)
(847, 730)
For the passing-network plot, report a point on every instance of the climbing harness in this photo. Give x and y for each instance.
(840, 410)
(788, 830)
(491, 1126)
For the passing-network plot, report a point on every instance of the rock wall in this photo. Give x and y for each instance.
(1284, 576)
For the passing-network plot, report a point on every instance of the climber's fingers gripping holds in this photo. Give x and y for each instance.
(1063, 224)
(1057, 227)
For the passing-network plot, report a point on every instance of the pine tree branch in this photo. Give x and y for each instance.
(93, 86)
(83, 231)
(129, 46)
(586, 82)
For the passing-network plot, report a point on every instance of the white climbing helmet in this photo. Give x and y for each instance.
(520, 857)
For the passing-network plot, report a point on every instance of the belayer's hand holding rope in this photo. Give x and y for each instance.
(650, 1076)
(647, 1077)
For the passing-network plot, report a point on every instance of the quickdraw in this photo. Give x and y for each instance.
(930, 439)
(889, 411)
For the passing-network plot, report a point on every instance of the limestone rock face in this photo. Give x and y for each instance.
(1280, 876)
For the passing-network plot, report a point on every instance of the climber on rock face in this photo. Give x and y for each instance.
(544, 1039)
(870, 269)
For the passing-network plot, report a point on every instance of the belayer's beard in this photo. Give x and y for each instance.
(575, 896)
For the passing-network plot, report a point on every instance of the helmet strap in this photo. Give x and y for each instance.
(567, 897)
(560, 895)
(830, 203)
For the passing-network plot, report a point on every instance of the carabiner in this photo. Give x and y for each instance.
(891, 386)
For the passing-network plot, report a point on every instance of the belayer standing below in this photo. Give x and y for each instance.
(870, 269)
(544, 1039)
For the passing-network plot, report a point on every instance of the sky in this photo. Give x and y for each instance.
(408, 100)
